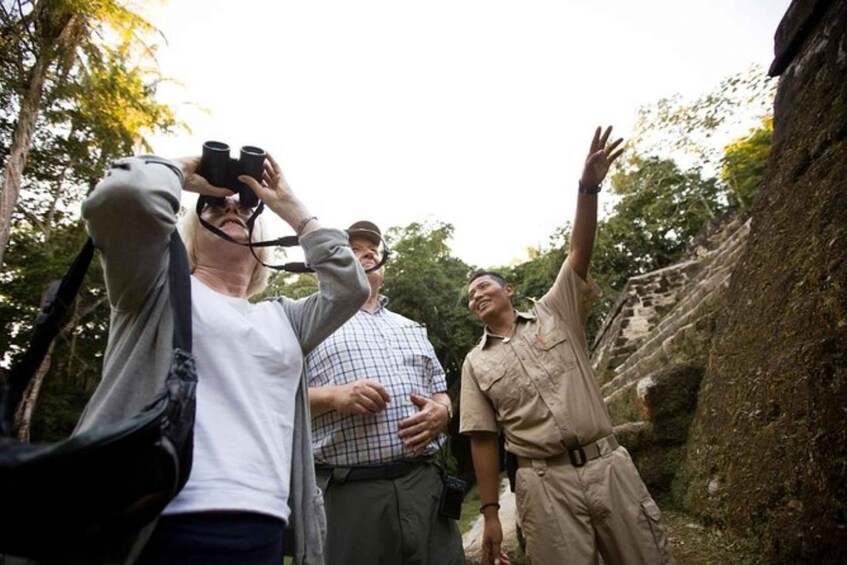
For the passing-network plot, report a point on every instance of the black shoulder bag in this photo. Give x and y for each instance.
(88, 496)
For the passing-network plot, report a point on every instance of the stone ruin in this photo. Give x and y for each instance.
(651, 352)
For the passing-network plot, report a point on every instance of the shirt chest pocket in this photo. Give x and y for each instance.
(498, 381)
(554, 350)
(411, 350)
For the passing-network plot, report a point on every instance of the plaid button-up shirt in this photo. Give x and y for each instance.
(391, 349)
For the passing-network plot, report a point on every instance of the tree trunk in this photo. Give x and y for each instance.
(68, 26)
(19, 151)
(23, 418)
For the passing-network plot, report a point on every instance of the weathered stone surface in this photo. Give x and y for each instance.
(660, 316)
(767, 452)
(657, 411)
(651, 378)
(666, 394)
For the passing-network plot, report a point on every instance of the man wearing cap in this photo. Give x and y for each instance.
(379, 411)
(577, 491)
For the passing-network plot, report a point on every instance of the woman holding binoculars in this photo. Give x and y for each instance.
(253, 472)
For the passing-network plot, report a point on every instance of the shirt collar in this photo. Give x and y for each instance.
(381, 304)
(519, 316)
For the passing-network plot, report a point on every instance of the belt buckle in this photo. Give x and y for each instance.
(577, 457)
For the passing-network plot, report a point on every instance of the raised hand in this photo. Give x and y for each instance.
(277, 195)
(601, 155)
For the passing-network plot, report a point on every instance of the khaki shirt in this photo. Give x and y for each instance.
(538, 383)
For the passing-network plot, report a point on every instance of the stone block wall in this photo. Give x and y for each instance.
(651, 354)
(767, 450)
(647, 300)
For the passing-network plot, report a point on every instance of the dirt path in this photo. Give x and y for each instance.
(694, 544)
(691, 542)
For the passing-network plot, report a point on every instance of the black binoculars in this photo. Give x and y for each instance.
(220, 169)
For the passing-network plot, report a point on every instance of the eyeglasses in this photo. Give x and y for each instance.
(219, 204)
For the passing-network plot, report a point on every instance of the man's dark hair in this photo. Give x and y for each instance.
(493, 274)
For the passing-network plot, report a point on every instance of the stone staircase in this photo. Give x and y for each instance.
(650, 355)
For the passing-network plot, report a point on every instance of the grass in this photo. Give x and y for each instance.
(470, 509)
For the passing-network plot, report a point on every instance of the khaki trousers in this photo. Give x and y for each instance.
(569, 514)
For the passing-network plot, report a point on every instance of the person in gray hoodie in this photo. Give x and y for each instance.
(253, 470)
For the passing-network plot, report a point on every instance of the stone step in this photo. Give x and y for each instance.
(638, 317)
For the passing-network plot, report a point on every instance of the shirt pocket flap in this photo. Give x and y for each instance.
(489, 374)
(551, 338)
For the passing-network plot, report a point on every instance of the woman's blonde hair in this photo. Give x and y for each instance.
(188, 226)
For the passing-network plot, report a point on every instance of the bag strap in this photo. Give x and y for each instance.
(54, 313)
(179, 279)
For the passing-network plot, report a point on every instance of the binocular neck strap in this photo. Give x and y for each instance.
(286, 241)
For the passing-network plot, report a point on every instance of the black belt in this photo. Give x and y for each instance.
(578, 456)
(386, 471)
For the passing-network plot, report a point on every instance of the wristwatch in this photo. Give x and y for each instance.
(590, 190)
(449, 407)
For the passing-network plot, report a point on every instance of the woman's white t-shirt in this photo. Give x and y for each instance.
(248, 369)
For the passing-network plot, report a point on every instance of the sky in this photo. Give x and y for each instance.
(476, 113)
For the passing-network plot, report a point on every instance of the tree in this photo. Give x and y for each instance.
(290, 285)
(72, 369)
(659, 211)
(426, 283)
(94, 104)
(44, 42)
(744, 163)
(678, 173)
(693, 133)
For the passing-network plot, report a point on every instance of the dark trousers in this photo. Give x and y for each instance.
(215, 538)
(389, 521)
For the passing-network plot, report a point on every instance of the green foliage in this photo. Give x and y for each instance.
(674, 178)
(426, 283)
(533, 278)
(293, 286)
(695, 131)
(77, 356)
(660, 210)
(97, 102)
(744, 163)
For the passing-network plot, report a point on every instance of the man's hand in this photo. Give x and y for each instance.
(600, 158)
(363, 397)
(492, 537)
(418, 430)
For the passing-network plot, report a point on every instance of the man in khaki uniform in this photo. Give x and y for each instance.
(577, 490)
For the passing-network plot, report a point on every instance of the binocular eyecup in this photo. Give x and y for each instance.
(220, 169)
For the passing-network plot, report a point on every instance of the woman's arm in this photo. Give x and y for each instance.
(130, 215)
(342, 283)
